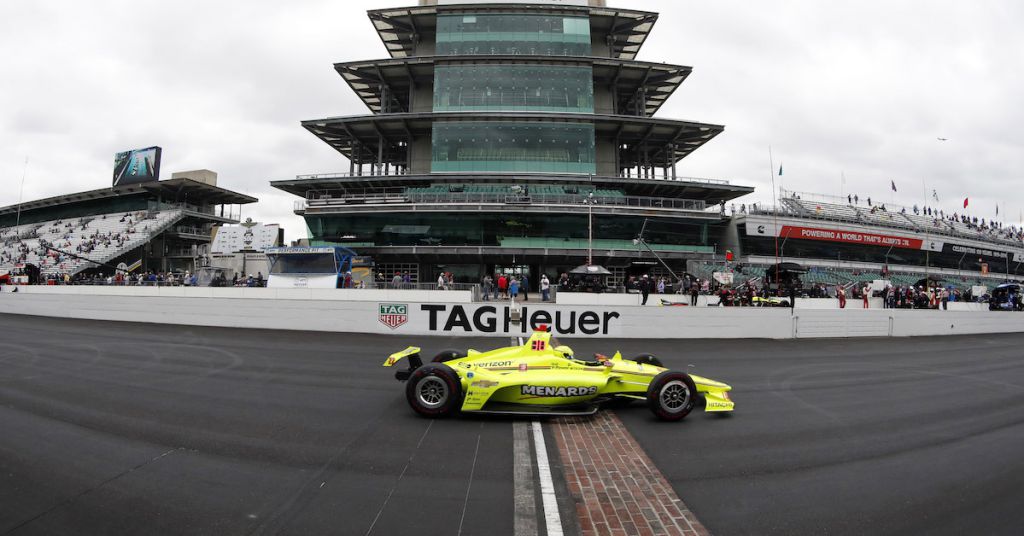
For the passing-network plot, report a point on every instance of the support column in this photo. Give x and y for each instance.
(351, 158)
(380, 154)
(673, 158)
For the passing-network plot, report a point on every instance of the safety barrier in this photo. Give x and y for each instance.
(451, 314)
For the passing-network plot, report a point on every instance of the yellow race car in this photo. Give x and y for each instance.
(543, 377)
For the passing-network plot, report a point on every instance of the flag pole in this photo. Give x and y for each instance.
(21, 194)
(927, 240)
(775, 212)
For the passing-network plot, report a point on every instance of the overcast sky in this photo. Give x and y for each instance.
(859, 88)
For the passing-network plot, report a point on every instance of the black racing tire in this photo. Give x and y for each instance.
(447, 354)
(672, 395)
(434, 390)
(648, 359)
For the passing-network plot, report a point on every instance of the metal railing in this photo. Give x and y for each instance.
(393, 173)
(400, 196)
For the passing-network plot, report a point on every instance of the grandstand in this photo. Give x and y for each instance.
(164, 225)
(847, 242)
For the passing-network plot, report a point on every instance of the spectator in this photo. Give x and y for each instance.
(545, 288)
(841, 294)
(524, 287)
(513, 287)
(396, 282)
(485, 287)
(694, 290)
(441, 283)
(503, 286)
(645, 288)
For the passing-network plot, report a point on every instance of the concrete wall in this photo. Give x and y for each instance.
(422, 98)
(603, 101)
(605, 153)
(424, 313)
(421, 155)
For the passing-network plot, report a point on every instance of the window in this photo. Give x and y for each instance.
(513, 34)
(535, 88)
(524, 147)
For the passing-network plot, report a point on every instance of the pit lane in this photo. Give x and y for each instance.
(137, 428)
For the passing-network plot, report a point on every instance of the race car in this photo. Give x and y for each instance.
(770, 301)
(543, 377)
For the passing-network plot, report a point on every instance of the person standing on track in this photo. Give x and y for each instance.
(694, 290)
(841, 294)
(866, 291)
(645, 288)
(545, 288)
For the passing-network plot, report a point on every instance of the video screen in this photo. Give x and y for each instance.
(139, 165)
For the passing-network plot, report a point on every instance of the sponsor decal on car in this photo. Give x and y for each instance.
(393, 315)
(484, 384)
(495, 364)
(546, 391)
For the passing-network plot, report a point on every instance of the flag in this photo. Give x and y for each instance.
(965, 201)
(935, 195)
(997, 210)
(780, 170)
(893, 185)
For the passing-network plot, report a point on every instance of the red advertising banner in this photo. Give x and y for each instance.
(849, 237)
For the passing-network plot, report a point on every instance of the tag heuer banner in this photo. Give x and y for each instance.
(393, 315)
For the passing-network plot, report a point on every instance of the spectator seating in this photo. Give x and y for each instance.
(99, 238)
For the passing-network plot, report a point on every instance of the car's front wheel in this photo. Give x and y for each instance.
(671, 395)
(434, 390)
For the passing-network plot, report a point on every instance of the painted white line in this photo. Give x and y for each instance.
(526, 506)
(552, 518)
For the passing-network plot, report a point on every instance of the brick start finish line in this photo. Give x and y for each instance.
(616, 488)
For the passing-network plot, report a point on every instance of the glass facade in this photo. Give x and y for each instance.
(478, 146)
(499, 229)
(511, 88)
(513, 34)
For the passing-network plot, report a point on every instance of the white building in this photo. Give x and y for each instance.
(247, 236)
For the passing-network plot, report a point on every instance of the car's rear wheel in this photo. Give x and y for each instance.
(447, 355)
(648, 359)
(671, 395)
(434, 390)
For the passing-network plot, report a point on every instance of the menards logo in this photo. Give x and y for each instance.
(393, 315)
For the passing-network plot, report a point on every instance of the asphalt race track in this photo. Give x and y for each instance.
(119, 428)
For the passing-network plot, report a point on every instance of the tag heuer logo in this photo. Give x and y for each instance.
(393, 315)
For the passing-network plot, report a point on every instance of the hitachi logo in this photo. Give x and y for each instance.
(535, 390)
